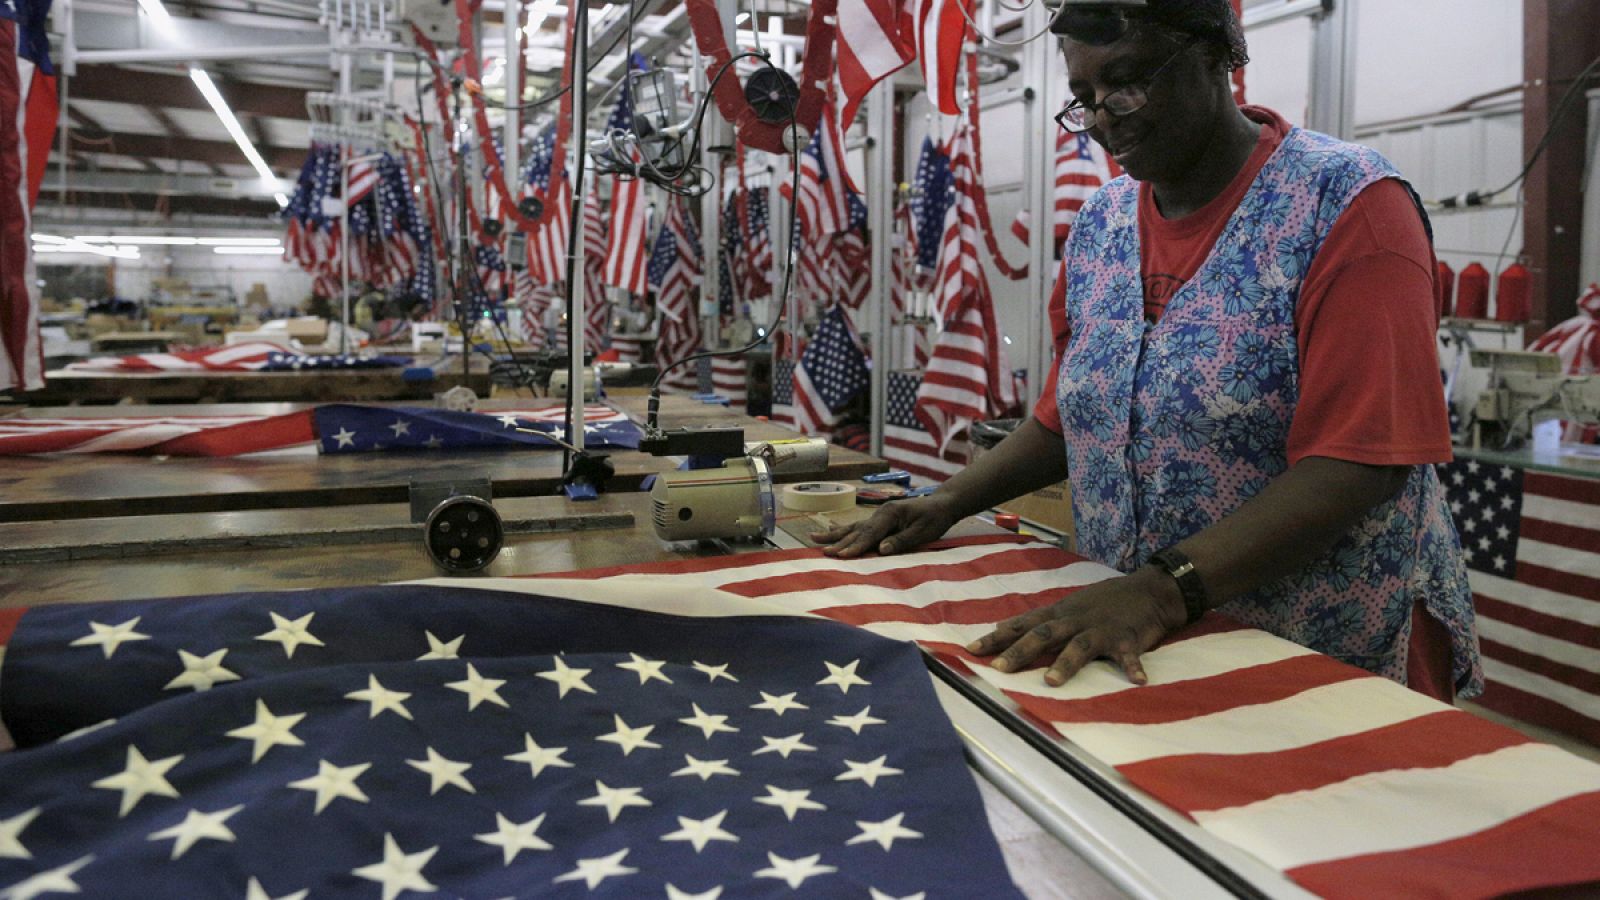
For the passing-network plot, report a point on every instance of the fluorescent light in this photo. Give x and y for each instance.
(741, 18)
(282, 200)
(537, 15)
(158, 15)
(49, 239)
(247, 251)
(220, 106)
(49, 243)
(151, 240)
(238, 242)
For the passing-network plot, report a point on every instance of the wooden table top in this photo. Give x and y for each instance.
(95, 485)
(63, 387)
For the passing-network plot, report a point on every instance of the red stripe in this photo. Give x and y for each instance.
(1007, 562)
(1542, 623)
(15, 297)
(247, 437)
(1572, 676)
(1206, 781)
(1577, 585)
(984, 611)
(1538, 710)
(1180, 700)
(8, 623)
(1547, 848)
(1572, 536)
(1577, 490)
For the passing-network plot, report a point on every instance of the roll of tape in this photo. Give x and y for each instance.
(818, 496)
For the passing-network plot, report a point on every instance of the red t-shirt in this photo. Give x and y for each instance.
(1365, 321)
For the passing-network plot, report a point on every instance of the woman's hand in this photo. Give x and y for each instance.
(896, 527)
(1117, 619)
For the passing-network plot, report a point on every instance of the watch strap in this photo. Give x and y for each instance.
(1176, 564)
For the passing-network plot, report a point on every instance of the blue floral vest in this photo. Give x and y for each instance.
(1170, 427)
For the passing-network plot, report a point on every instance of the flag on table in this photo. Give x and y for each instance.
(871, 47)
(247, 357)
(28, 110)
(941, 30)
(931, 196)
(1081, 168)
(1532, 544)
(434, 737)
(906, 442)
(335, 428)
(832, 372)
(675, 267)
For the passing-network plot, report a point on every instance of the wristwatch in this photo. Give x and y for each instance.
(1175, 563)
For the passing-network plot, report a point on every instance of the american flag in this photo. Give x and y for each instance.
(1532, 544)
(28, 112)
(547, 247)
(596, 308)
(967, 378)
(783, 405)
(907, 443)
(336, 428)
(731, 261)
(832, 372)
(941, 30)
(823, 209)
(871, 47)
(437, 737)
(246, 357)
(932, 193)
(1081, 168)
(852, 257)
(729, 377)
(627, 254)
(363, 173)
(757, 244)
(675, 266)
(1577, 342)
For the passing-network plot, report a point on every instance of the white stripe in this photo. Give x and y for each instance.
(1562, 512)
(1579, 701)
(1309, 717)
(927, 593)
(1555, 556)
(1535, 599)
(863, 37)
(1420, 806)
(676, 598)
(1564, 652)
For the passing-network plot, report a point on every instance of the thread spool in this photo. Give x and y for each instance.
(1472, 293)
(818, 496)
(1444, 287)
(1511, 294)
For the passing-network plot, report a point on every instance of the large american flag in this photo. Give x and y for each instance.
(313, 233)
(28, 110)
(1081, 168)
(627, 254)
(437, 737)
(832, 372)
(247, 357)
(333, 428)
(932, 192)
(675, 266)
(1532, 543)
(967, 378)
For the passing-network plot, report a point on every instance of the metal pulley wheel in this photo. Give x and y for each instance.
(463, 534)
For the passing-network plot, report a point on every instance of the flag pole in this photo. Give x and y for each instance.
(575, 241)
(880, 194)
(1038, 178)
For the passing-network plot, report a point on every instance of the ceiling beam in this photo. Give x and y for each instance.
(157, 146)
(237, 208)
(100, 181)
(116, 84)
(173, 128)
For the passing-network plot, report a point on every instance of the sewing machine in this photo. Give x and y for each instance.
(1526, 388)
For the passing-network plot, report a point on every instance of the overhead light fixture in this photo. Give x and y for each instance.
(283, 201)
(167, 240)
(247, 251)
(158, 15)
(741, 18)
(50, 243)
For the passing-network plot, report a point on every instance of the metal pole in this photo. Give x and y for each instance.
(345, 79)
(513, 129)
(1331, 106)
(69, 68)
(1038, 165)
(880, 221)
(576, 262)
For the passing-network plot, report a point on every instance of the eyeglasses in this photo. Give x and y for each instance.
(1077, 117)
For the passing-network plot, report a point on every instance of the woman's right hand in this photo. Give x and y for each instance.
(897, 526)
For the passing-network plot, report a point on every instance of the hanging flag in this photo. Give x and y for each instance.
(832, 372)
(675, 268)
(871, 47)
(626, 255)
(931, 195)
(28, 111)
(941, 30)
(547, 247)
(596, 308)
(1081, 168)
(907, 443)
(757, 244)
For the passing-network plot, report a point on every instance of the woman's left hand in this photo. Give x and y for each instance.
(1117, 619)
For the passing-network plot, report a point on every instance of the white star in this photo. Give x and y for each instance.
(646, 668)
(1458, 478)
(254, 891)
(705, 768)
(787, 745)
(513, 837)
(1484, 543)
(1472, 466)
(568, 679)
(141, 777)
(1507, 502)
(708, 723)
(794, 871)
(479, 689)
(713, 672)
(593, 871)
(676, 893)
(1499, 562)
(700, 832)
(110, 637)
(198, 826)
(1468, 524)
(1502, 532)
(540, 758)
(1473, 496)
(291, 634)
(269, 731)
(400, 426)
(1505, 472)
(11, 834)
(201, 672)
(884, 833)
(434, 442)
(856, 722)
(399, 871)
(778, 705)
(438, 649)
(443, 771)
(53, 881)
(790, 802)
(382, 699)
(332, 782)
(508, 421)
(629, 739)
(615, 800)
(345, 437)
(876, 894)
(869, 772)
(844, 677)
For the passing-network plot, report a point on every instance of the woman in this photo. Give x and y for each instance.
(1246, 394)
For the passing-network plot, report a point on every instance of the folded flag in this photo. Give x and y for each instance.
(334, 428)
(297, 362)
(366, 742)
